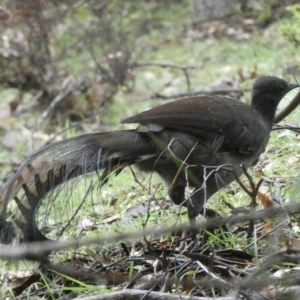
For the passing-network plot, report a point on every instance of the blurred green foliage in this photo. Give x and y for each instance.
(290, 28)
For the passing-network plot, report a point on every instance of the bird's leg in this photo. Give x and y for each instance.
(195, 205)
(177, 194)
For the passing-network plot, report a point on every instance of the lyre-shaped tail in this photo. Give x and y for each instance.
(57, 163)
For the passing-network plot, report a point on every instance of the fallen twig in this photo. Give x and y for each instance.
(36, 251)
(146, 295)
(203, 91)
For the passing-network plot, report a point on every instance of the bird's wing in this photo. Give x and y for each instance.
(207, 117)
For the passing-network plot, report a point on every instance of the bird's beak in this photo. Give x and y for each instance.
(291, 86)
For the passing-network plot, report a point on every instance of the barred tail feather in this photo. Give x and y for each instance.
(53, 165)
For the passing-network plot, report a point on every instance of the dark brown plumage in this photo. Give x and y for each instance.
(177, 140)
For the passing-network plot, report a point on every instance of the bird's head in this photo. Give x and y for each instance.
(267, 92)
(270, 88)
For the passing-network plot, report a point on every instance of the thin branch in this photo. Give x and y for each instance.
(286, 126)
(204, 91)
(28, 106)
(146, 295)
(77, 210)
(163, 65)
(288, 109)
(183, 68)
(272, 259)
(36, 250)
(81, 86)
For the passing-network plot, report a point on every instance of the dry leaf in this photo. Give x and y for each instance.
(265, 200)
(267, 228)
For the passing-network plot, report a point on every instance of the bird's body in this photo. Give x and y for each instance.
(192, 142)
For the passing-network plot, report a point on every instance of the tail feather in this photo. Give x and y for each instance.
(29, 183)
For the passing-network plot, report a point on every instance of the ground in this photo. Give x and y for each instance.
(227, 54)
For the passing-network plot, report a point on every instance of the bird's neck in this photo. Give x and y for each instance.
(266, 107)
